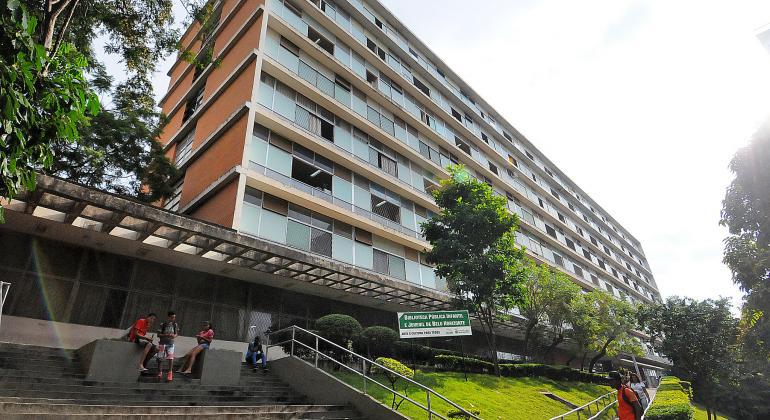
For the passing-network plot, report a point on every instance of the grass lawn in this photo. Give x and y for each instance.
(495, 398)
(700, 413)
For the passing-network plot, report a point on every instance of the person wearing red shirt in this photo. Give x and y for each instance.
(628, 404)
(205, 337)
(138, 335)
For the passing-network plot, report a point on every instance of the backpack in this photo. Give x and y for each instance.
(625, 398)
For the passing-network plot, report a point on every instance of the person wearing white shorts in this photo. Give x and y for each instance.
(167, 333)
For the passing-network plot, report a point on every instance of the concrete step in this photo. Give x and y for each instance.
(39, 366)
(126, 396)
(31, 355)
(148, 381)
(321, 415)
(160, 403)
(26, 407)
(37, 349)
(161, 389)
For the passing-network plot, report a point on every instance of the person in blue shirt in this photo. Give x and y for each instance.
(254, 352)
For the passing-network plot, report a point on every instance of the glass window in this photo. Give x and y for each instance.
(273, 227)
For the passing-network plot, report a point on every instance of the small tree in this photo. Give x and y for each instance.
(378, 341)
(338, 328)
(583, 325)
(397, 367)
(474, 250)
(698, 337)
(548, 300)
(615, 319)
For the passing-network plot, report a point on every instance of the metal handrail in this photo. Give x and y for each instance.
(364, 361)
(587, 407)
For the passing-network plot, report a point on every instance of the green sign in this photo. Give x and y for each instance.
(433, 324)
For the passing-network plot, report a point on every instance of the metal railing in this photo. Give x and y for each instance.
(591, 410)
(365, 366)
(4, 288)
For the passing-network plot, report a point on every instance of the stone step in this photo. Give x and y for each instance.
(147, 380)
(26, 407)
(38, 366)
(160, 403)
(31, 355)
(321, 415)
(127, 396)
(37, 349)
(161, 389)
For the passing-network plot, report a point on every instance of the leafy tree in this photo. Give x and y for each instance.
(548, 296)
(45, 98)
(119, 151)
(615, 319)
(399, 368)
(338, 328)
(698, 337)
(474, 250)
(378, 341)
(746, 213)
(584, 326)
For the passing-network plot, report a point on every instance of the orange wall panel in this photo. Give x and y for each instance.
(218, 159)
(231, 99)
(248, 42)
(220, 208)
(177, 93)
(172, 127)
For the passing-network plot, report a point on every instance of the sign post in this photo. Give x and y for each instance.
(434, 324)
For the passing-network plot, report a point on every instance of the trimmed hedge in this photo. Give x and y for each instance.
(672, 401)
(519, 370)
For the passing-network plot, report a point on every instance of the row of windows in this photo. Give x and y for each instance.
(285, 159)
(392, 90)
(280, 221)
(294, 59)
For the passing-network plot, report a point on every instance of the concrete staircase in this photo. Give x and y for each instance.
(47, 383)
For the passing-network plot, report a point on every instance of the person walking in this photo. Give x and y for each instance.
(641, 390)
(168, 331)
(205, 337)
(628, 405)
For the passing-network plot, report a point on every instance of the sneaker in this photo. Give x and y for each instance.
(160, 373)
(143, 369)
(169, 376)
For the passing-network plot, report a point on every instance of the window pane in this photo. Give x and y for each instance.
(396, 267)
(321, 242)
(273, 227)
(298, 235)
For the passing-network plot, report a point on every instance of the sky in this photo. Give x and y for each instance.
(642, 103)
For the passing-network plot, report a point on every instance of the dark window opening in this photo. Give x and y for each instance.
(551, 231)
(587, 254)
(420, 85)
(193, 103)
(493, 168)
(320, 40)
(463, 146)
(595, 279)
(484, 137)
(529, 155)
(508, 136)
(578, 270)
(413, 52)
(570, 244)
(385, 209)
(559, 260)
(457, 115)
(311, 175)
(562, 218)
(554, 193)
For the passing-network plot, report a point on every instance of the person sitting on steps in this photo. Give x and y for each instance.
(254, 352)
(205, 337)
(138, 335)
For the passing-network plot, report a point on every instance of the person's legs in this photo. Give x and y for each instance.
(191, 359)
(251, 357)
(146, 351)
(264, 360)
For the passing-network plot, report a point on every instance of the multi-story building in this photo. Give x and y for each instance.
(325, 126)
(317, 135)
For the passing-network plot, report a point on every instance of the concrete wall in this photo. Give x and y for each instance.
(322, 387)
(36, 332)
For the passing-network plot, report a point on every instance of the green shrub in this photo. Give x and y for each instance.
(338, 328)
(397, 367)
(672, 401)
(376, 341)
(457, 414)
(455, 363)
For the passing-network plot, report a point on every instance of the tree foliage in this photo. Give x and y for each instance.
(338, 328)
(698, 337)
(584, 324)
(474, 250)
(548, 300)
(746, 213)
(45, 97)
(378, 341)
(615, 319)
